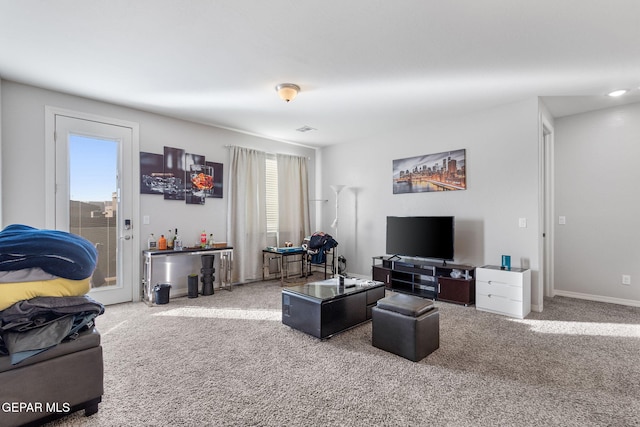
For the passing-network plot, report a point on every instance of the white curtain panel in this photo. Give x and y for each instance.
(246, 219)
(293, 199)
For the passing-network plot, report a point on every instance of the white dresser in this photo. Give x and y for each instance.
(505, 292)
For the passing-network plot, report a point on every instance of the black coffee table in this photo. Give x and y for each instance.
(325, 308)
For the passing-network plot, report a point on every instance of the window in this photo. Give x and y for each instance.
(261, 212)
(272, 195)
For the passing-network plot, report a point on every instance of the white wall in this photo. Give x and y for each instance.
(502, 186)
(502, 180)
(1, 151)
(23, 160)
(597, 176)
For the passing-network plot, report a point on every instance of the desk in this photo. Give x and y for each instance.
(173, 267)
(281, 255)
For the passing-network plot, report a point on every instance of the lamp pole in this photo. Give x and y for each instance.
(336, 189)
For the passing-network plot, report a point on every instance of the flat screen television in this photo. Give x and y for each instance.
(421, 236)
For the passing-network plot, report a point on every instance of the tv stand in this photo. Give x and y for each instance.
(428, 279)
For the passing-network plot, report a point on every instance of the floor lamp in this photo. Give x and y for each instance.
(336, 189)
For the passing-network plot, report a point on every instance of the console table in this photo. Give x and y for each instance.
(173, 267)
(325, 308)
(427, 279)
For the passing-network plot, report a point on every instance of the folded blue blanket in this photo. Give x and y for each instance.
(57, 252)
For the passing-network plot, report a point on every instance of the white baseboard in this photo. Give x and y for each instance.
(598, 298)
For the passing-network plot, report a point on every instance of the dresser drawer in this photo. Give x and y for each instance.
(499, 289)
(499, 276)
(500, 305)
(373, 295)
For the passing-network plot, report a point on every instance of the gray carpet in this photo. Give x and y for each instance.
(227, 360)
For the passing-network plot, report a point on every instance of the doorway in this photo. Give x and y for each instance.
(546, 281)
(95, 162)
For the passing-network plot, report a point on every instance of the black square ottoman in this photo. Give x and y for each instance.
(406, 325)
(64, 379)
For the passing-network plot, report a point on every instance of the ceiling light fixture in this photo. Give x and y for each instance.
(287, 91)
(617, 93)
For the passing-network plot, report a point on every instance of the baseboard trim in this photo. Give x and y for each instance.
(598, 298)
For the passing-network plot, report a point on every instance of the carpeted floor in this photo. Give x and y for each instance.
(227, 360)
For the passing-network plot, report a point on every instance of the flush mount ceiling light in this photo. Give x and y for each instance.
(287, 91)
(617, 93)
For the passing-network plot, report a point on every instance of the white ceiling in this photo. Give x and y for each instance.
(365, 66)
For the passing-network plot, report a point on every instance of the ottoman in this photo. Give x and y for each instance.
(406, 325)
(54, 383)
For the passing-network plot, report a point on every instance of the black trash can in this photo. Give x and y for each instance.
(192, 283)
(161, 291)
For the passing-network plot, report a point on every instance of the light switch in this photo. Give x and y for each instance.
(562, 220)
(522, 222)
(145, 219)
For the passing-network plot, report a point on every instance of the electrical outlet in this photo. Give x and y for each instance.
(626, 279)
(522, 222)
(145, 219)
(562, 220)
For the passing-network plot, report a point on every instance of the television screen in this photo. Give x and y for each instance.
(421, 236)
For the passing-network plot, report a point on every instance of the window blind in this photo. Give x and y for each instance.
(272, 193)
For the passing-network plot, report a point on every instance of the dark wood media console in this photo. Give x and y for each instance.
(428, 279)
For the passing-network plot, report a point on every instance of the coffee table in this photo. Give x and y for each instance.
(325, 308)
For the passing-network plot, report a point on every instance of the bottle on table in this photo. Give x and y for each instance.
(151, 242)
(177, 242)
(162, 243)
(170, 240)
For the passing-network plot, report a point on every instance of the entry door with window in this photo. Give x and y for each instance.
(95, 199)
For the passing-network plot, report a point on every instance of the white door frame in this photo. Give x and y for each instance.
(50, 179)
(546, 202)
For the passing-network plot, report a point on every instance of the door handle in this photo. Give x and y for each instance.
(126, 237)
